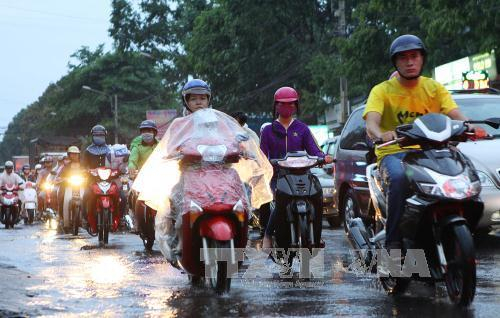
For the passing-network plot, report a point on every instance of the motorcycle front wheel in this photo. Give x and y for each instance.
(7, 217)
(75, 218)
(149, 233)
(460, 277)
(219, 279)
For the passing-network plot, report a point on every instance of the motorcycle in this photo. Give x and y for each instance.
(215, 210)
(29, 204)
(439, 216)
(10, 205)
(48, 214)
(72, 203)
(298, 203)
(107, 216)
(145, 218)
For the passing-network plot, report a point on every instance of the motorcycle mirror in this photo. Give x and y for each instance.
(493, 122)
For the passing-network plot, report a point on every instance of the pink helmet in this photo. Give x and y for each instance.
(286, 94)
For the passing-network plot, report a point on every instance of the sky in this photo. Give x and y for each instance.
(37, 38)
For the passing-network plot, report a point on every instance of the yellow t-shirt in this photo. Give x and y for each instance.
(400, 105)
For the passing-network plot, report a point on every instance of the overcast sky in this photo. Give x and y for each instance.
(37, 38)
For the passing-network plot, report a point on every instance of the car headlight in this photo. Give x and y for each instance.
(458, 187)
(485, 180)
(76, 180)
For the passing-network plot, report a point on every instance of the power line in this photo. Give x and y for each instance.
(52, 13)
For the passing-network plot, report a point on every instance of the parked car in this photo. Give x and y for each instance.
(330, 214)
(329, 147)
(351, 185)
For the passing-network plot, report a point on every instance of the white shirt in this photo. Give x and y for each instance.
(12, 178)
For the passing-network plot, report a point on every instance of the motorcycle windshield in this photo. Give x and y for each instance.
(208, 137)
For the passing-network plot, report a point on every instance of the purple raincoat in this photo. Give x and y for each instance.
(275, 141)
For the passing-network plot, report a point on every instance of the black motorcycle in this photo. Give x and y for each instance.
(298, 202)
(441, 211)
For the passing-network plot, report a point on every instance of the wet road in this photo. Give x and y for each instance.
(69, 276)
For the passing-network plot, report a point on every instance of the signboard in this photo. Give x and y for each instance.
(163, 118)
(453, 75)
(20, 161)
(320, 133)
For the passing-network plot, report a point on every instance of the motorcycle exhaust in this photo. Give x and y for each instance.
(129, 222)
(357, 228)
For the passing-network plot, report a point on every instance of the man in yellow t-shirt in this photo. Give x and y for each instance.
(397, 101)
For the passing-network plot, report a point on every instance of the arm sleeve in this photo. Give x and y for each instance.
(264, 143)
(445, 99)
(311, 145)
(133, 159)
(375, 101)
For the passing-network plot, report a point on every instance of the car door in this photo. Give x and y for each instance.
(351, 161)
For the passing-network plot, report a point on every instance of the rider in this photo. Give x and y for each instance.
(283, 135)
(140, 149)
(400, 100)
(40, 181)
(142, 146)
(26, 174)
(71, 164)
(9, 177)
(95, 156)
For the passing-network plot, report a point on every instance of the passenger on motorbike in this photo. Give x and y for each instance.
(283, 135)
(166, 194)
(400, 100)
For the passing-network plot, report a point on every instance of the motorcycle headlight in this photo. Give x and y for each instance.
(104, 173)
(76, 180)
(458, 187)
(47, 186)
(485, 180)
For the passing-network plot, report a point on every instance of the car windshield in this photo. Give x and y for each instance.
(481, 108)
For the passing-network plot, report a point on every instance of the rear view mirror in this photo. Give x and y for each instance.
(493, 122)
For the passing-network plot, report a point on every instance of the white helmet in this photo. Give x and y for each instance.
(9, 164)
(38, 166)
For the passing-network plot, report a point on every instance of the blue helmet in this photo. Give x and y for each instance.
(195, 86)
(148, 123)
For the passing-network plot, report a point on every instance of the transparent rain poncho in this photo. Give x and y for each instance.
(196, 150)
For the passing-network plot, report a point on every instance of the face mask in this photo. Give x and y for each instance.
(99, 140)
(147, 137)
(285, 111)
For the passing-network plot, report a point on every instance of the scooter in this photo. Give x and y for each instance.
(215, 210)
(29, 203)
(10, 205)
(442, 211)
(298, 203)
(107, 216)
(72, 203)
(48, 214)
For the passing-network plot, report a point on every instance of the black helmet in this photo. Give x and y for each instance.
(98, 130)
(26, 167)
(406, 42)
(148, 123)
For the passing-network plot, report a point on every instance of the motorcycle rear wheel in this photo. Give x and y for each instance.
(31, 215)
(460, 277)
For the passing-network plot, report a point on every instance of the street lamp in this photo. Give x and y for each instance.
(113, 106)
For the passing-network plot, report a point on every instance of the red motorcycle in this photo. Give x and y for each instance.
(10, 205)
(107, 215)
(215, 210)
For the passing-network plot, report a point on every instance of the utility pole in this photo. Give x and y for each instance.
(116, 117)
(344, 101)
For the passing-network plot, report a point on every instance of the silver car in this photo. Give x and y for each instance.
(485, 154)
